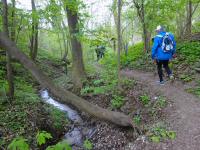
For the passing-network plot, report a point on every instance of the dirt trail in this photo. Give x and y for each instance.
(183, 117)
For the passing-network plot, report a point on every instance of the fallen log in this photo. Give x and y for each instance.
(197, 70)
(193, 37)
(64, 96)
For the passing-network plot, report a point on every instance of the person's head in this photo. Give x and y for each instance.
(159, 29)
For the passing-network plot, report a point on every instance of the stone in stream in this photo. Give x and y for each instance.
(74, 137)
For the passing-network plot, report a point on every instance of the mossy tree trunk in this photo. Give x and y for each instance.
(78, 70)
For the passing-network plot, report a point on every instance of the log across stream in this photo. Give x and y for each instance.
(64, 96)
(79, 131)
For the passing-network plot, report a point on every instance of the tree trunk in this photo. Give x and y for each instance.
(19, 29)
(8, 56)
(180, 22)
(145, 37)
(13, 26)
(141, 13)
(64, 96)
(34, 36)
(64, 39)
(78, 69)
(145, 31)
(188, 30)
(115, 17)
(119, 38)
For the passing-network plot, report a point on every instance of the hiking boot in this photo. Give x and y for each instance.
(162, 82)
(171, 77)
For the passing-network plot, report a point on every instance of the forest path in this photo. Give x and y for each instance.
(183, 116)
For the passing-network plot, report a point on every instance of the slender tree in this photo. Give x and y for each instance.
(78, 70)
(119, 37)
(8, 56)
(141, 13)
(34, 34)
(13, 26)
(189, 18)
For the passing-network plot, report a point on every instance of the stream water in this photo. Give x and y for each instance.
(79, 131)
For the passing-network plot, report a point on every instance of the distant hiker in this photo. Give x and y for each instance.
(65, 63)
(163, 50)
(100, 51)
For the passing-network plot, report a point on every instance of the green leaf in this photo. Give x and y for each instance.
(163, 134)
(18, 144)
(155, 139)
(60, 146)
(87, 145)
(42, 137)
(171, 135)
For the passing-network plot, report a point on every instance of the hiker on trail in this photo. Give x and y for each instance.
(163, 50)
(100, 51)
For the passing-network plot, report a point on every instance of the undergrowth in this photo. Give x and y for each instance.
(19, 117)
(190, 51)
(159, 132)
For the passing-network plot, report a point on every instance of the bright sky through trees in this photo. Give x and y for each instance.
(97, 9)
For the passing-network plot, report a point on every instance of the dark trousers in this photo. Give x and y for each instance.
(163, 63)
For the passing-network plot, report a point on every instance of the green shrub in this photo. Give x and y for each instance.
(58, 117)
(145, 99)
(190, 51)
(110, 60)
(195, 91)
(117, 101)
(137, 119)
(42, 137)
(60, 146)
(186, 78)
(160, 102)
(3, 89)
(93, 90)
(86, 90)
(135, 52)
(159, 132)
(18, 144)
(98, 82)
(87, 144)
(128, 83)
(21, 143)
(99, 90)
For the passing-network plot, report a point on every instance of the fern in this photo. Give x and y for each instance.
(42, 137)
(18, 144)
(87, 145)
(60, 146)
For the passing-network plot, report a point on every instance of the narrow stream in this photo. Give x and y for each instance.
(79, 131)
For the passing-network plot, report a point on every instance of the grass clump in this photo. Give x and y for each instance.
(159, 133)
(87, 145)
(59, 119)
(145, 99)
(117, 101)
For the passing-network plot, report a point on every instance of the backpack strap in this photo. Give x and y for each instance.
(160, 36)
